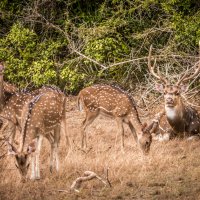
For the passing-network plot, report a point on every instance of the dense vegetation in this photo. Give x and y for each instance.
(74, 43)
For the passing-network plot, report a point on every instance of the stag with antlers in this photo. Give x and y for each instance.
(183, 119)
(117, 104)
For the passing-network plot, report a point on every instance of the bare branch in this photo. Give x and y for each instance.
(191, 104)
(71, 43)
(87, 176)
(186, 77)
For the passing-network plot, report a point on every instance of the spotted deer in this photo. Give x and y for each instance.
(183, 119)
(41, 117)
(117, 104)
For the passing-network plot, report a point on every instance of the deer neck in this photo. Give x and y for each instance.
(135, 120)
(176, 117)
(176, 112)
(171, 113)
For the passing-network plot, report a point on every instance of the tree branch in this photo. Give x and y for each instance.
(87, 176)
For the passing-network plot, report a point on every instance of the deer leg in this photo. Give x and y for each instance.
(37, 157)
(54, 140)
(33, 174)
(51, 158)
(65, 130)
(51, 141)
(54, 158)
(121, 131)
(55, 147)
(90, 117)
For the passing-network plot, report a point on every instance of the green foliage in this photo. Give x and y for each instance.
(185, 21)
(108, 31)
(27, 59)
(72, 78)
(106, 49)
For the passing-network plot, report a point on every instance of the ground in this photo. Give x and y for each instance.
(170, 171)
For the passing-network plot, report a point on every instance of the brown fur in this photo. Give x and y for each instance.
(183, 119)
(11, 114)
(115, 103)
(41, 113)
(186, 120)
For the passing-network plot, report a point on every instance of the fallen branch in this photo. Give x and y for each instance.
(87, 176)
(66, 191)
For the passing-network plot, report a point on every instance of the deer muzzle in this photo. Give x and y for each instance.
(169, 102)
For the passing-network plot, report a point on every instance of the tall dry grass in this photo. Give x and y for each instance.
(171, 171)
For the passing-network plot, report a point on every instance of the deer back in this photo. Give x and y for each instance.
(107, 99)
(192, 121)
(14, 108)
(44, 113)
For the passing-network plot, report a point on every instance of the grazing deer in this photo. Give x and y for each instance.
(183, 119)
(113, 102)
(42, 117)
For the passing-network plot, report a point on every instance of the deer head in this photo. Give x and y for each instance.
(145, 138)
(172, 92)
(22, 158)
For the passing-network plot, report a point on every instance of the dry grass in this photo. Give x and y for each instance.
(171, 171)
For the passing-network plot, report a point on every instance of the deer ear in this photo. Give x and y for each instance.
(31, 147)
(11, 149)
(183, 88)
(159, 87)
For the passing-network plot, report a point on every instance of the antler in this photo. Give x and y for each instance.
(185, 77)
(151, 69)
